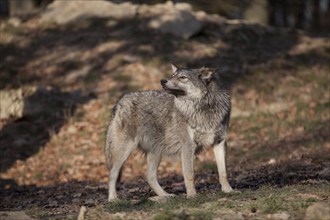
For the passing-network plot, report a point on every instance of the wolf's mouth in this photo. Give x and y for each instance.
(176, 92)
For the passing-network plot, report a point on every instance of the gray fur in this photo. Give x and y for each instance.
(193, 111)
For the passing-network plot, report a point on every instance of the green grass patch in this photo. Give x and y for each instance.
(265, 200)
(146, 204)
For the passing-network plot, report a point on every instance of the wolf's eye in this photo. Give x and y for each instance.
(182, 77)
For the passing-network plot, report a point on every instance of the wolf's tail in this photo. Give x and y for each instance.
(108, 156)
(107, 151)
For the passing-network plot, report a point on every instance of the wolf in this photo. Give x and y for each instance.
(191, 112)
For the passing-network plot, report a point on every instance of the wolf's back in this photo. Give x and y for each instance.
(139, 105)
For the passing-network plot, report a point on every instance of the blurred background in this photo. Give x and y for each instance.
(312, 15)
(63, 64)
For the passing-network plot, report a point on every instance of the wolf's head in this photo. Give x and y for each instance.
(188, 82)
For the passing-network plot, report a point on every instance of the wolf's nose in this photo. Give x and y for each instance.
(163, 81)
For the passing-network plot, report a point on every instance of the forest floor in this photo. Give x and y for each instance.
(279, 138)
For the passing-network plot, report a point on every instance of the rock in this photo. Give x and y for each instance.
(320, 211)
(64, 12)
(271, 161)
(32, 101)
(154, 10)
(17, 215)
(14, 21)
(213, 18)
(179, 23)
(279, 216)
(82, 212)
(178, 19)
(12, 102)
(181, 6)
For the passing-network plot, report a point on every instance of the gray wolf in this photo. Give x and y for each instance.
(192, 112)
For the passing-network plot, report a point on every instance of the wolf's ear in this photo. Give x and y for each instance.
(174, 68)
(206, 74)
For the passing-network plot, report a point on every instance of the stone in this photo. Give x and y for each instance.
(279, 216)
(65, 12)
(14, 21)
(320, 211)
(12, 102)
(31, 101)
(180, 23)
(82, 212)
(183, 6)
(16, 215)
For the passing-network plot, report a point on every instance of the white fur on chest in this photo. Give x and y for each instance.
(204, 138)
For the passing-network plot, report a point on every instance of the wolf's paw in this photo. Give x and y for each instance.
(192, 195)
(227, 189)
(231, 191)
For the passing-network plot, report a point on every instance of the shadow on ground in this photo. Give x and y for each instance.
(44, 113)
(70, 48)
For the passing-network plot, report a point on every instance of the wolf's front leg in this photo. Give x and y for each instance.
(220, 157)
(187, 157)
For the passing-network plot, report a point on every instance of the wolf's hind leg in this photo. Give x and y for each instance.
(119, 156)
(153, 161)
(220, 157)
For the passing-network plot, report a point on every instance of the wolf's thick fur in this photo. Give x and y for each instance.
(192, 112)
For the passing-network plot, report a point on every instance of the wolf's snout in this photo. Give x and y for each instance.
(163, 81)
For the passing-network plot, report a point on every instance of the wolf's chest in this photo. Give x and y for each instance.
(202, 138)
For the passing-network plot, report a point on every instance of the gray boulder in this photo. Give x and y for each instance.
(178, 20)
(12, 102)
(33, 101)
(64, 12)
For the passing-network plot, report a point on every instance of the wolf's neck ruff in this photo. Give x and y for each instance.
(205, 113)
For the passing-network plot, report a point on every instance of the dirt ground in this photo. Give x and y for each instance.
(279, 140)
